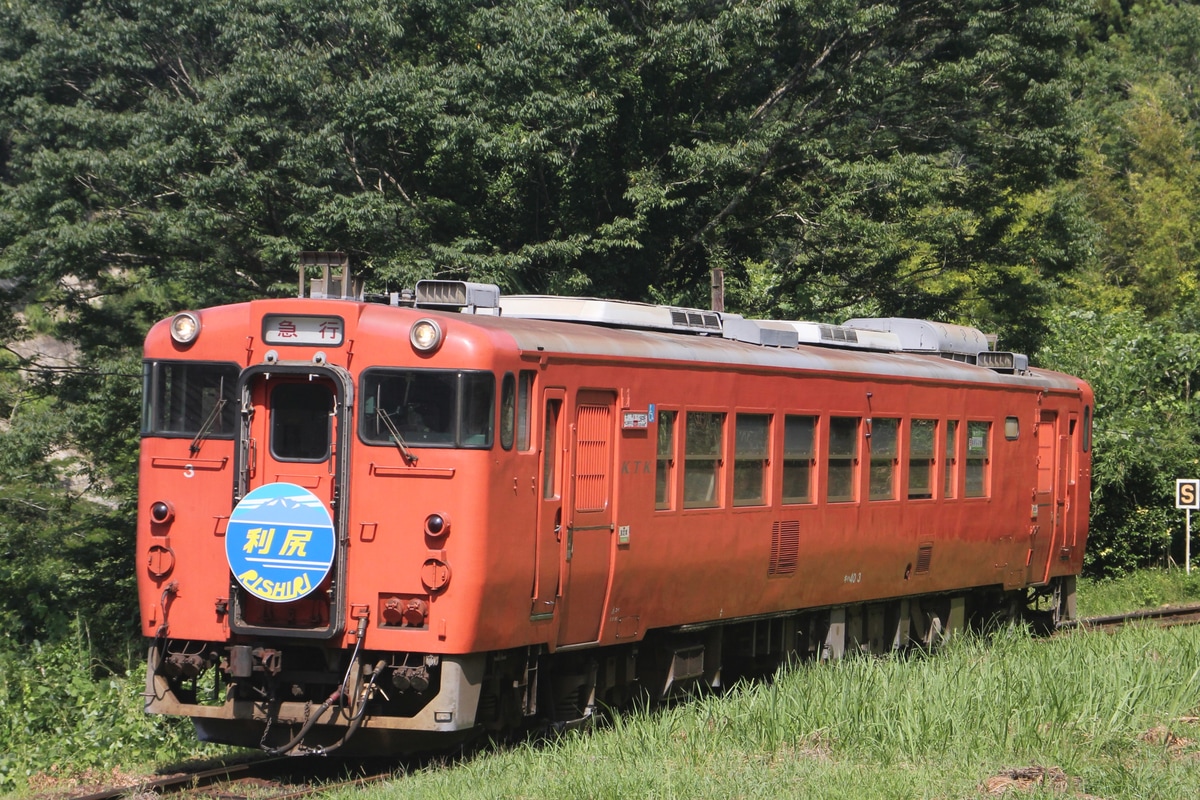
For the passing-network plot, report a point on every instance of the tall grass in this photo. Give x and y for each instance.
(1116, 713)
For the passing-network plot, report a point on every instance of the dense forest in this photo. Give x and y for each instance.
(1028, 168)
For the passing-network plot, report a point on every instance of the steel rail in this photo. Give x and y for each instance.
(1163, 617)
(182, 781)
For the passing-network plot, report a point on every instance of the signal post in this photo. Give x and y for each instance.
(1187, 497)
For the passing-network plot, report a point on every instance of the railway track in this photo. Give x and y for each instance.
(282, 778)
(1162, 617)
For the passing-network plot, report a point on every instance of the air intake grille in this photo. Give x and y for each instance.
(785, 547)
(457, 294)
(695, 319)
(445, 293)
(592, 458)
(834, 333)
(924, 556)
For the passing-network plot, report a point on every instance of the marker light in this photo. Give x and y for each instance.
(426, 336)
(161, 512)
(437, 525)
(185, 327)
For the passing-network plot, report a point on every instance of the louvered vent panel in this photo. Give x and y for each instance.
(924, 556)
(452, 293)
(785, 547)
(830, 333)
(702, 320)
(592, 458)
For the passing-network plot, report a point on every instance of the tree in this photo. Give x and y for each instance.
(835, 157)
(544, 145)
(1146, 378)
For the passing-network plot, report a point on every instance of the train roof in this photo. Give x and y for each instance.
(895, 348)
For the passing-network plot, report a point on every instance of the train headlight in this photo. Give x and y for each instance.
(185, 327)
(426, 336)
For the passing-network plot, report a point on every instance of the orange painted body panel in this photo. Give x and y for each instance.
(618, 566)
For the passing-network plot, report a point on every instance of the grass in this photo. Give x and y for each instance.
(1114, 712)
(1110, 715)
(1145, 589)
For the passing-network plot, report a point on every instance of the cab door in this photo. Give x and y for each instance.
(295, 431)
(588, 546)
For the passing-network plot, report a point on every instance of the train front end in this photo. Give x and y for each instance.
(289, 607)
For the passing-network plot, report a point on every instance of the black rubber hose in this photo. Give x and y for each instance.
(312, 720)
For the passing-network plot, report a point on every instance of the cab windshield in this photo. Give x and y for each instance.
(428, 408)
(185, 398)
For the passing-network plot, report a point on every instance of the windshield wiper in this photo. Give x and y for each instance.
(202, 434)
(409, 458)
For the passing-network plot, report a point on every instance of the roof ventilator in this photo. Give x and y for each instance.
(1003, 361)
(693, 318)
(954, 342)
(471, 298)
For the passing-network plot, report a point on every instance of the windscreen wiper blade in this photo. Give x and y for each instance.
(202, 434)
(409, 457)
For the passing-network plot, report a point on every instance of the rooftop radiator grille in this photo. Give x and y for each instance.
(457, 294)
(695, 319)
(785, 547)
(835, 333)
(448, 293)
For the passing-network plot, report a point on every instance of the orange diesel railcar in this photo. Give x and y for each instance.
(396, 525)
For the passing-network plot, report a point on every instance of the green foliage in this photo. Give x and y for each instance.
(1146, 430)
(1148, 588)
(1139, 178)
(64, 555)
(63, 559)
(543, 145)
(63, 713)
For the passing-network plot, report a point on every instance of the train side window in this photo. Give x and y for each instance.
(301, 425)
(1012, 428)
(702, 459)
(750, 454)
(951, 482)
(842, 483)
(979, 436)
(478, 412)
(798, 458)
(508, 411)
(550, 450)
(921, 458)
(885, 456)
(524, 393)
(1087, 428)
(664, 466)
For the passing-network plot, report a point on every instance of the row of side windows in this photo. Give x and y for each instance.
(923, 452)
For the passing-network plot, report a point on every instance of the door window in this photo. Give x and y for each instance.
(301, 422)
